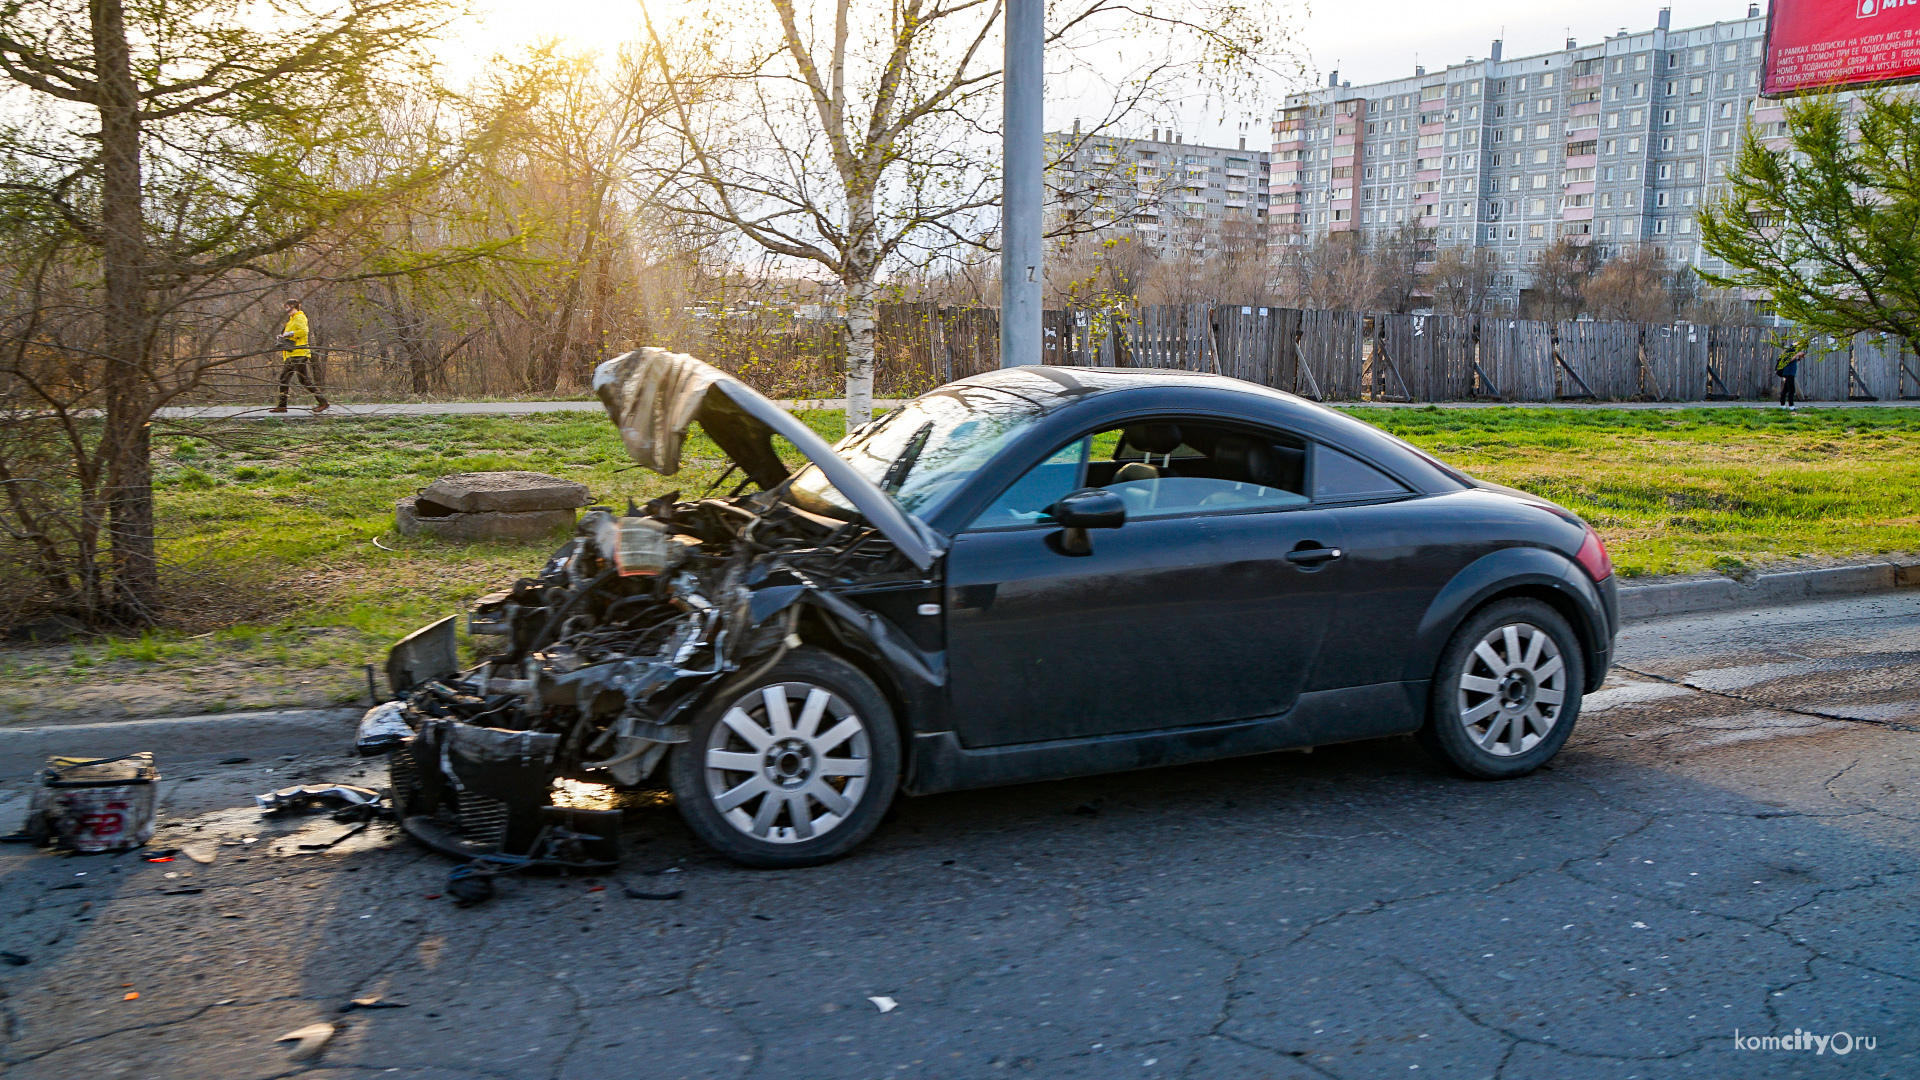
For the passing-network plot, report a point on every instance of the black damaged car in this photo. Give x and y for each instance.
(1030, 574)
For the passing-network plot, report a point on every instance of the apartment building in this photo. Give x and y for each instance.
(1614, 143)
(1179, 198)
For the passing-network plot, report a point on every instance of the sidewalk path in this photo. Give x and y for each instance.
(516, 408)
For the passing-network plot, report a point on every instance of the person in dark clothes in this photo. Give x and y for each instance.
(295, 359)
(1789, 369)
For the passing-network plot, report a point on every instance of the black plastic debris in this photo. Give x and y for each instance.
(636, 894)
(235, 760)
(14, 959)
(471, 884)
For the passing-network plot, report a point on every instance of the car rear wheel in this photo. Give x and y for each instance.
(793, 768)
(1507, 691)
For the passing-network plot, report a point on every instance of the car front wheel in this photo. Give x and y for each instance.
(794, 768)
(1506, 692)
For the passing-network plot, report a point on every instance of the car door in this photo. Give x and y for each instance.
(1190, 613)
(1400, 551)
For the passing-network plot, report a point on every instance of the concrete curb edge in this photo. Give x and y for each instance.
(179, 739)
(1764, 590)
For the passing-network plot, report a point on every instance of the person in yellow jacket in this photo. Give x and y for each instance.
(295, 359)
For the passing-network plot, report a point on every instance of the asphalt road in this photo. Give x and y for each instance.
(1717, 851)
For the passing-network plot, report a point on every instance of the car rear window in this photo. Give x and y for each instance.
(1341, 477)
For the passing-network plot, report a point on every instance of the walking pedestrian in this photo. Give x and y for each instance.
(295, 359)
(1788, 368)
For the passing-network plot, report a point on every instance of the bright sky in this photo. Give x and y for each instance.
(1366, 40)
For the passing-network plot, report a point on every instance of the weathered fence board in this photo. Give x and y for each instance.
(1350, 355)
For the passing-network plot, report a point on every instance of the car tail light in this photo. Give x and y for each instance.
(1593, 557)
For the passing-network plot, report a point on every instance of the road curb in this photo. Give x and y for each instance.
(177, 739)
(1764, 590)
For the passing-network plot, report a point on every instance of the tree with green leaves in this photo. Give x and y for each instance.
(1827, 226)
(158, 159)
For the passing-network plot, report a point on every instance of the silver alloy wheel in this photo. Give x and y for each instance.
(1511, 689)
(787, 762)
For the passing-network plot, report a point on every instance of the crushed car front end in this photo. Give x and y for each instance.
(597, 662)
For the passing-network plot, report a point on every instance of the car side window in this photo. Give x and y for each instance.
(1162, 468)
(1341, 477)
(1026, 502)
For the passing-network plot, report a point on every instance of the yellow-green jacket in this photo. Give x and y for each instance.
(297, 331)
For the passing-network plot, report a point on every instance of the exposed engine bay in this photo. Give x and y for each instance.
(591, 669)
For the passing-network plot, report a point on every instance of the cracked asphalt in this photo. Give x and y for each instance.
(1728, 843)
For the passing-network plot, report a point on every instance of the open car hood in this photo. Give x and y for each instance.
(654, 396)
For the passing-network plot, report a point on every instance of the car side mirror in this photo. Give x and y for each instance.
(1089, 508)
(1078, 511)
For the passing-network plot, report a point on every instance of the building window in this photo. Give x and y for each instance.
(1666, 143)
(1660, 227)
(1543, 131)
(1640, 62)
(1666, 116)
(1660, 198)
(1695, 85)
(1689, 170)
(1536, 232)
(1633, 147)
(1693, 114)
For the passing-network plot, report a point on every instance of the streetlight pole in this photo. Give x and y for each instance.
(1020, 193)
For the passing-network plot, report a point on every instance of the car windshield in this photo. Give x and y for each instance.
(922, 452)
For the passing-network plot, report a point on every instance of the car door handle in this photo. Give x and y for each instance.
(1313, 556)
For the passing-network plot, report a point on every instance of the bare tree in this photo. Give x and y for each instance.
(1462, 280)
(1399, 278)
(853, 138)
(1331, 273)
(1556, 277)
(1633, 286)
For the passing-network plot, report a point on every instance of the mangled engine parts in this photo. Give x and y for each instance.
(94, 804)
(594, 669)
(491, 506)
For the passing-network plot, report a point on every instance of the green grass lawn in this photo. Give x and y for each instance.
(275, 522)
(1698, 489)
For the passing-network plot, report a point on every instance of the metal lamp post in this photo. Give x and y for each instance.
(1021, 193)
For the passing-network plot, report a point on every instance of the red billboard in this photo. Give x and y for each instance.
(1829, 44)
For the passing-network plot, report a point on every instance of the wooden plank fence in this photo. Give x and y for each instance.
(1351, 355)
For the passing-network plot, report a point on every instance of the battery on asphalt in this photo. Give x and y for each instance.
(95, 804)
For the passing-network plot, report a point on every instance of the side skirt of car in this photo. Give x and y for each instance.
(938, 762)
